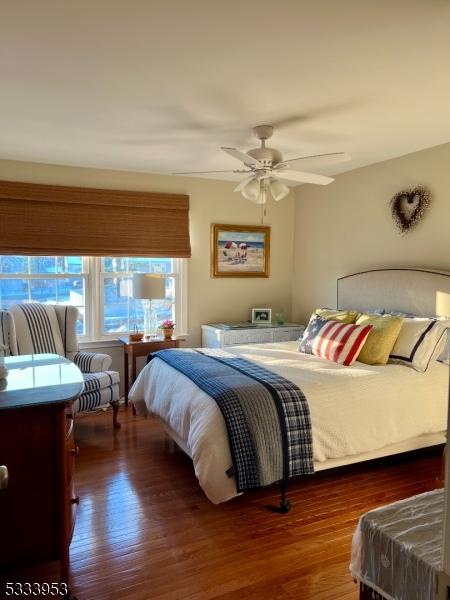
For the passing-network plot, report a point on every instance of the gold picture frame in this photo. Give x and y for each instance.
(240, 250)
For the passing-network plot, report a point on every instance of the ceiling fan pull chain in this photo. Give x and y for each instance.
(263, 198)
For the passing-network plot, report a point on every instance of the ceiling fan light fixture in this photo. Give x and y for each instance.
(259, 200)
(278, 190)
(251, 191)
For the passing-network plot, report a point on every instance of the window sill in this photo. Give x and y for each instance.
(112, 343)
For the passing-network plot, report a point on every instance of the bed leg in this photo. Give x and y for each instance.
(285, 505)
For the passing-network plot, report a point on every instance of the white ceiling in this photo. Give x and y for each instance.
(157, 86)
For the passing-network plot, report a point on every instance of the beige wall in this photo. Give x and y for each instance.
(347, 227)
(211, 201)
(339, 229)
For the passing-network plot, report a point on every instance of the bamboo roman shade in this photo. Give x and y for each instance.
(57, 220)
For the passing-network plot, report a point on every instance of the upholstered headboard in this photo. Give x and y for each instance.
(418, 291)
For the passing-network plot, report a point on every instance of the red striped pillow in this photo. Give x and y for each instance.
(334, 340)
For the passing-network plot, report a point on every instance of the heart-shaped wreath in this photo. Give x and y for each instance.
(408, 207)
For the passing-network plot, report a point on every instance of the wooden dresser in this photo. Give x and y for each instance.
(37, 496)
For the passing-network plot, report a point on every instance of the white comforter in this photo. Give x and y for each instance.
(354, 410)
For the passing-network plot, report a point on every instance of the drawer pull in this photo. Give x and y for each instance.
(75, 451)
(75, 500)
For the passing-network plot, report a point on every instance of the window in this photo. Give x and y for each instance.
(101, 289)
(47, 279)
(120, 311)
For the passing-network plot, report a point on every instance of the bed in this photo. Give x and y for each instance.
(357, 413)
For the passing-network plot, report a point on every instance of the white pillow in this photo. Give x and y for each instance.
(443, 349)
(417, 342)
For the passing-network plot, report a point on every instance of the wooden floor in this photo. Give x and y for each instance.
(145, 530)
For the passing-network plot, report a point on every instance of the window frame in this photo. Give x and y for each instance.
(93, 277)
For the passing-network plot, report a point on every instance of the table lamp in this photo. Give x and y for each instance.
(148, 287)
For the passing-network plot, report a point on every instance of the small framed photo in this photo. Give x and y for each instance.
(261, 315)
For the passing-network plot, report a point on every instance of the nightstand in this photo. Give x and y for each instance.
(142, 348)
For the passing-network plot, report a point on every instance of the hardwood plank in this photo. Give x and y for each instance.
(145, 530)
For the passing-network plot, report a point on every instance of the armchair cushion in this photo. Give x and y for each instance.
(37, 329)
(99, 389)
(91, 362)
(97, 381)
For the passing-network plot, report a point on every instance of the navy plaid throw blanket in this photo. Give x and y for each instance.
(266, 415)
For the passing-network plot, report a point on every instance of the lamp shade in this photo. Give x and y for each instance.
(149, 287)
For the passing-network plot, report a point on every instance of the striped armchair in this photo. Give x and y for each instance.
(50, 328)
(7, 332)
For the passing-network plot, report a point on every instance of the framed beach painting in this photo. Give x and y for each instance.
(240, 251)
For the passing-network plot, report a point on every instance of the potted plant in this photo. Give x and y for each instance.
(167, 327)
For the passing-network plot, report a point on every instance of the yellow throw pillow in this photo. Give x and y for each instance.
(381, 339)
(344, 316)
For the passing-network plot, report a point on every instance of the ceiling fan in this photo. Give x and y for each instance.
(267, 170)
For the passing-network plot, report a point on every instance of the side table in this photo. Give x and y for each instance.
(142, 348)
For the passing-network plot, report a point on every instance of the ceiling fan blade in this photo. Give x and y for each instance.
(242, 184)
(206, 172)
(317, 160)
(302, 177)
(242, 156)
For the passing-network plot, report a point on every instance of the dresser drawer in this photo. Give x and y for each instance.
(249, 336)
(71, 450)
(72, 505)
(259, 337)
(287, 335)
(70, 500)
(234, 338)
